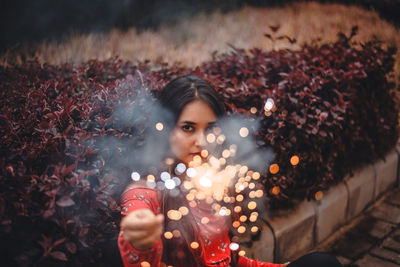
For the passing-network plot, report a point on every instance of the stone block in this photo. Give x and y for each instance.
(392, 244)
(394, 198)
(370, 261)
(353, 244)
(331, 211)
(293, 230)
(386, 254)
(380, 229)
(386, 212)
(386, 172)
(361, 190)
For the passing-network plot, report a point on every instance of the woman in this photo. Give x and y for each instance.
(196, 107)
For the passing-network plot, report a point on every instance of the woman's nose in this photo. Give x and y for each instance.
(200, 139)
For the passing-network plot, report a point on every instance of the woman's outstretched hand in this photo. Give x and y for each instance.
(142, 228)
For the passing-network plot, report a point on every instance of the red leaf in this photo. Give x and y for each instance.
(65, 201)
(48, 213)
(71, 247)
(59, 242)
(44, 125)
(65, 170)
(58, 255)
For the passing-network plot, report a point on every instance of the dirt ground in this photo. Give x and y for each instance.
(191, 41)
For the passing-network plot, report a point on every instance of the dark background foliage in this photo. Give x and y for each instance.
(66, 154)
(26, 21)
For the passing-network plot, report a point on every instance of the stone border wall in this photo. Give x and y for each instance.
(289, 233)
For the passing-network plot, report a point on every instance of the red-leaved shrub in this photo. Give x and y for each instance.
(66, 152)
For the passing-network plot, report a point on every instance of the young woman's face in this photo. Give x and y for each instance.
(188, 137)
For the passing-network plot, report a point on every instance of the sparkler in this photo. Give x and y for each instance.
(230, 189)
(210, 177)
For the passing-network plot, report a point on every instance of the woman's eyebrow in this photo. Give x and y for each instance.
(188, 122)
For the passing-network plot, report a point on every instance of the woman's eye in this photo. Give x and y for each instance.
(187, 128)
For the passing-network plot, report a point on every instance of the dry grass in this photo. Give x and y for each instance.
(192, 41)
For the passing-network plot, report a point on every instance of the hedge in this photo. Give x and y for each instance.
(65, 140)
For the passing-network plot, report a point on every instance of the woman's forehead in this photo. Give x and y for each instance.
(198, 112)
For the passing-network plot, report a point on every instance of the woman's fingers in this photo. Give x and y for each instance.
(135, 235)
(141, 220)
(142, 228)
(148, 242)
(135, 232)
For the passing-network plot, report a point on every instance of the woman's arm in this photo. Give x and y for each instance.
(141, 227)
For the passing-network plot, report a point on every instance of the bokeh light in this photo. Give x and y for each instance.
(256, 175)
(205, 181)
(204, 153)
(135, 176)
(268, 113)
(275, 190)
(274, 168)
(174, 215)
(226, 153)
(170, 184)
(294, 160)
(184, 210)
(259, 193)
(254, 229)
(253, 218)
(169, 161)
(191, 172)
(190, 196)
(151, 178)
(241, 229)
(237, 209)
(205, 220)
(221, 139)
(244, 132)
(269, 104)
(234, 246)
(165, 176)
(168, 235)
(239, 198)
(222, 212)
(180, 168)
(319, 195)
(210, 138)
(252, 205)
(159, 126)
(194, 245)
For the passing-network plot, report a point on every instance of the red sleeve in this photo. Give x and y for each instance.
(246, 262)
(135, 199)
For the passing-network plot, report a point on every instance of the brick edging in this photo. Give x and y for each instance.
(290, 233)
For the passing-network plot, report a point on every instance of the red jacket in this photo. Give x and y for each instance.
(214, 234)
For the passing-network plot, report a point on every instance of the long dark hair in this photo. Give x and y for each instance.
(174, 97)
(185, 89)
